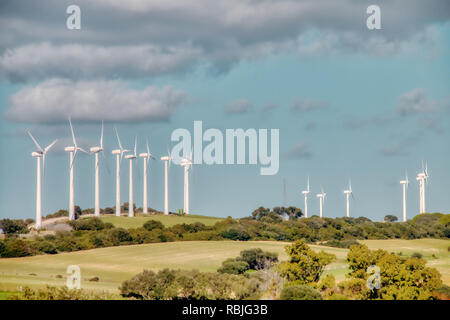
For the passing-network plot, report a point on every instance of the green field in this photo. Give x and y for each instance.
(167, 220)
(115, 264)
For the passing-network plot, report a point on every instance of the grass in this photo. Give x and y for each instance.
(116, 264)
(167, 220)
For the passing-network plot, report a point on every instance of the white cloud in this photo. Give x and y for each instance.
(44, 60)
(300, 150)
(415, 102)
(240, 106)
(55, 100)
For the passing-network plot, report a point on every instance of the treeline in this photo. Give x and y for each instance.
(92, 233)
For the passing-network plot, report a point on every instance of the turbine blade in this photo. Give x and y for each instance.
(118, 139)
(135, 146)
(47, 149)
(101, 137)
(35, 142)
(73, 134)
(82, 150)
(73, 159)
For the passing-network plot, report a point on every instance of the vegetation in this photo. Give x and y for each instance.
(90, 233)
(193, 285)
(300, 293)
(304, 265)
(14, 226)
(57, 293)
(252, 259)
(390, 218)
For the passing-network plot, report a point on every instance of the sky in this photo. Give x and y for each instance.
(350, 103)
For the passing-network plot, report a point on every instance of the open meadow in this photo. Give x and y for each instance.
(116, 264)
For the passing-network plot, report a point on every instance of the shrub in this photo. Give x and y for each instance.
(94, 279)
(87, 224)
(13, 226)
(340, 243)
(15, 248)
(57, 293)
(300, 293)
(257, 258)
(234, 234)
(118, 235)
(232, 266)
(153, 224)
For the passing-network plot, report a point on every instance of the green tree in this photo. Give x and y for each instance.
(304, 265)
(153, 224)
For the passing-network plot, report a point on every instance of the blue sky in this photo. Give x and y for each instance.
(380, 105)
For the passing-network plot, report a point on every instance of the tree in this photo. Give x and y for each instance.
(257, 259)
(304, 265)
(13, 226)
(233, 266)
(400, 278)
(153, 224)
(390, 218)
(292, 213)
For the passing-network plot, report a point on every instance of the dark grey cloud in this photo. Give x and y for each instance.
(240, 106)
(54, 100)
(174, 36)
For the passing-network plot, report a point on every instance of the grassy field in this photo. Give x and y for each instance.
(168, 221)
(113, 265)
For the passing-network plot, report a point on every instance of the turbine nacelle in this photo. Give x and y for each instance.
(70, 149)
(37, 154)
(306, 192)
(145, 155)
(130, 156)
(166, 158)
(96, 149)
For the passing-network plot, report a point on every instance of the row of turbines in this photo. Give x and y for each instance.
(422, 178)
(120, 153)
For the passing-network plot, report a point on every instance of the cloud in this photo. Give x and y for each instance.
(415, 102)
(300, 150)
(269, 107)
(401, 149)
(45, 60)
(240, 106)
(174, 36)
(357, 123)
(54, 100)
(306, 105)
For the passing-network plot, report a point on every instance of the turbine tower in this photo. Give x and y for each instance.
(305, 193)
(146, 156)
(131, 157)
(167, 159)
(348, 193)
(422, 177)
(73, 150)
(321, 197)
(40, 153)
(119, 155)
(404, 184)
(187, 164)
(96, 151)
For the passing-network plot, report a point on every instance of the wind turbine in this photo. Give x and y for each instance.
(404, 184)
(73, 150)
(119, 155)
(146, 156)
(96, 151)
(422, 177)
(167, 159)
(321, 197)
(131, 157)
(305, 193)
(187, 164)
(40, 153)
(348, 193)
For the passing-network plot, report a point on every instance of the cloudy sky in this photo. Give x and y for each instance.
(349, 102)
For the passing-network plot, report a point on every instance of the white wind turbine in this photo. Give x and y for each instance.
(348, 193)
(167, 160)
(73, 150)
(131, 157)
(96, 151)
(40, 153)
(305, 193)
(119, 155)
(187, 164)
(146, 156)
(422, 177)
(404, 184)
(321, 197)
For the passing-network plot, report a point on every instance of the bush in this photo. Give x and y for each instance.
(152, 225)
(234, 234)
(340, 243)
(94, 279)
(417, 255)
(257, 258)
(15, 248)
(119, 235)
(232, 266)
(58, 293)
(87, 224)
(300, 293)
